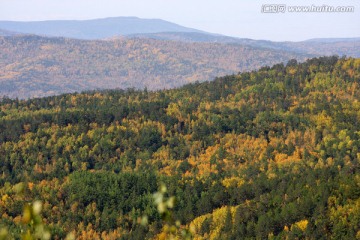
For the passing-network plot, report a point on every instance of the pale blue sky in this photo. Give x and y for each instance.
(230, 17)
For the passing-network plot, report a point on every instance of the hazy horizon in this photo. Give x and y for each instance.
(241, 19)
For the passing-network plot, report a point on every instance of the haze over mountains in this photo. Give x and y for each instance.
(319, 46)
(94, 29)
(128, 52)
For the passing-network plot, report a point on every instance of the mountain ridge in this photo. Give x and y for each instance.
(4, 33)
(94, 28)
(311, 46)
(328, 40)
(34, 66)
(150, 28)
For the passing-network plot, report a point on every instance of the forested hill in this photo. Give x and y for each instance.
(33, 66)
(263, 154)
(319, 46)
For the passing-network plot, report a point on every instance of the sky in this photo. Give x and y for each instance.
(238, 18)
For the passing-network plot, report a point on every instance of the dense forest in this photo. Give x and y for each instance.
(272, 153)
(33, 66)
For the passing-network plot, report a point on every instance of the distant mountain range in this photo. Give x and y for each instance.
(131, 52)
(94, 29)
(8, 33)
(133, 27)
(332, 40)
(320, 46)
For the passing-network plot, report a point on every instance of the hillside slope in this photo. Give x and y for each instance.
(326, 46)
(272, 153)
(33, 66)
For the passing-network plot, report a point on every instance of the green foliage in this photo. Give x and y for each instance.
(35, 228)
(278, 147)
(172, 227)
(32, 227)
(123, 191)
